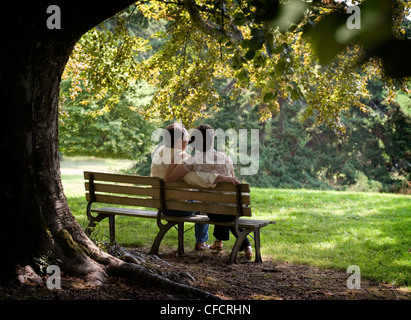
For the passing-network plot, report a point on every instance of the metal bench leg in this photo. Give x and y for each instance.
(112, 228)
(181, 238)
(93, 221)
(237, 245)
(257, 245)
(163, 230)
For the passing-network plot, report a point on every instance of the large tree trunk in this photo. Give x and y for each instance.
(35, 217)
(34, 211)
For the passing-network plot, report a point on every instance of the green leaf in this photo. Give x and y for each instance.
(280, 67)
(322, 37)
(295, 95)
(239, 22)
(236, 61)
(242, 76)
(278, 49)
(238, 16)
(269, 43)
(250, 54)
(259, 61)
(332, 34)
(269, 96)
(291, 13)
(257, 40)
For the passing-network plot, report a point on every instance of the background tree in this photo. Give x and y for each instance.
(295, 153)
(120, 133)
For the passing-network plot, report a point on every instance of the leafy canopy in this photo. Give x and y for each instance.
(277, 49)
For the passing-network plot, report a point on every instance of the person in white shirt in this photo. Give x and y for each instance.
(175, 144)
(208, 160)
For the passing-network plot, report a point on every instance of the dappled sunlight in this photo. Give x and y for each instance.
(77, 165)
(324, 245)
(72, 169)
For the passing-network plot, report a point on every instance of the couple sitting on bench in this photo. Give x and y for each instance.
(205, 169)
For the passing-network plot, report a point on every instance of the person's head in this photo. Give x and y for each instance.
(178, 136)
(202, 138)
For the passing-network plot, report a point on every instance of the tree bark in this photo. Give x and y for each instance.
(34, 211)
(35, 217)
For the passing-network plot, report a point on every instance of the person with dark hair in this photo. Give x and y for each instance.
(176, 140)
(208, 160)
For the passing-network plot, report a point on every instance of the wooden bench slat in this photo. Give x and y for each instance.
(218, 208)
(126, 201)
(154, 181)
(171, 205)
(205, 196)
(114, 177)
(127, 212)
(222, 186)
(120, 189)
(244, 223)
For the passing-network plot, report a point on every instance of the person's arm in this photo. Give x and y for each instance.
(232, 180)
(174, 172)
(207, 180)
(201, 179)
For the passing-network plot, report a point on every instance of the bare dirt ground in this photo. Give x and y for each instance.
(209, 271)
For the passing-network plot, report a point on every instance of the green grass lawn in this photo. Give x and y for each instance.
(319, 228)
(72, 171)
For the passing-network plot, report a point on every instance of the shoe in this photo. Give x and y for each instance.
(217, 245)
(200, 246)
(248, 253)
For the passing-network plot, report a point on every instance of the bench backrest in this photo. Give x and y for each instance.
(152, 192)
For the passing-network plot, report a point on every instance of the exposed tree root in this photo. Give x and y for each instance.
(100, 265)
(26, 274)
(140, 275)
(113, 266)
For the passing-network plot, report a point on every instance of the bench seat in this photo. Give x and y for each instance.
(150, 214)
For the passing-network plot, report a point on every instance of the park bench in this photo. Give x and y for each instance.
(145, 193)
